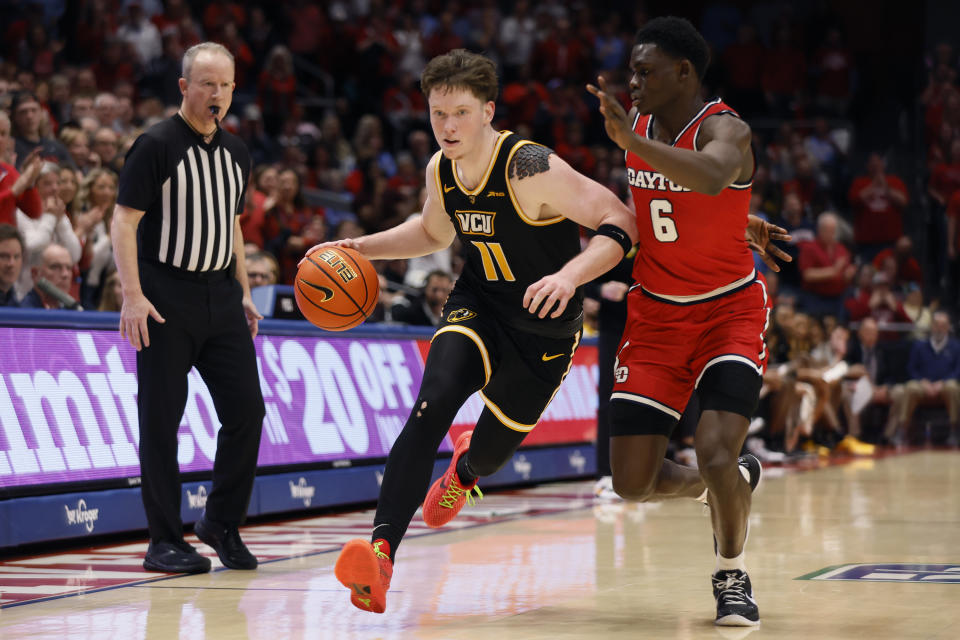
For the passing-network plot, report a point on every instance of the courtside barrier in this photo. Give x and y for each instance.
(335, 403)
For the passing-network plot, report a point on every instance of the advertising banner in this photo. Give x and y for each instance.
(68, 404)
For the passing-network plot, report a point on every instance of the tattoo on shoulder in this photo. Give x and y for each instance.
(529, 160)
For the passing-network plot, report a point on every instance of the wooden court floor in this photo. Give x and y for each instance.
(868, 549)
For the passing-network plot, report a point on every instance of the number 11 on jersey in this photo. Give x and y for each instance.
(490, 252)
(664, 227)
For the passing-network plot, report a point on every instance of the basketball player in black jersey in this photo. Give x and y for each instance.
(513, 320)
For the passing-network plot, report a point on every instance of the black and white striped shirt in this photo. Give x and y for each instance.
(190, 191)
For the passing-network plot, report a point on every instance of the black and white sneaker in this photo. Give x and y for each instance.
(751, 470)
(734, 595)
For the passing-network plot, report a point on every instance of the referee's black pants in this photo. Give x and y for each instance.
(205, 327)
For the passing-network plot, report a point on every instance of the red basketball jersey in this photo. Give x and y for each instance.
(692, 245)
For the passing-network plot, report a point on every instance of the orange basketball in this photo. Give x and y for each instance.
(336, 288)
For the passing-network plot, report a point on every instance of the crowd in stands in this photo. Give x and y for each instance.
(328, 102)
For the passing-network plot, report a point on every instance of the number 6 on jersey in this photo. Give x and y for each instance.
(664, 228)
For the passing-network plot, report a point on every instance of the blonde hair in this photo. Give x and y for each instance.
(108, 299)
(82, 201)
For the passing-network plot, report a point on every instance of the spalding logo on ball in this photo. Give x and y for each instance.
(336, 289)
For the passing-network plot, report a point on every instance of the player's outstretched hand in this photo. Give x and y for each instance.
(133, 320)
(349, 243)
(760, 236)
(614, 116)
(553, 291)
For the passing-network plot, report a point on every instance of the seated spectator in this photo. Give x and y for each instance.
(290, 227)
(106, 146)
(112, 297)
(78, 146)
(69, 188)
(825, 268)
(261, 197)
(28, 125)
(822, 369)
(867, 359)
(95, 203)
(793, 218)
(427, 308)
(56, 267)
(857, 302)
(919, 314)
(262, 269)
(17, 190)
(884, 306)
(11, 262)
(933, 370)
(53, 226)
(878, 200)
(945, 176)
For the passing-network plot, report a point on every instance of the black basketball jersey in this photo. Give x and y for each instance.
(506, 250)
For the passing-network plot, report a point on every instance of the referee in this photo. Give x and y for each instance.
(186, 302)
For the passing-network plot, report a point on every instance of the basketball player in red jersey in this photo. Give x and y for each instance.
(698, 312)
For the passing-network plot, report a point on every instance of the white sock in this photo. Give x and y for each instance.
(729, 564)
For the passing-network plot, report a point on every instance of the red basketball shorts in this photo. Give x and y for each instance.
(667, 347)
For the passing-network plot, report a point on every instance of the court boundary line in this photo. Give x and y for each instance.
(788, 468)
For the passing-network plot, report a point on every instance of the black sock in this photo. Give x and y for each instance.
(464, 473)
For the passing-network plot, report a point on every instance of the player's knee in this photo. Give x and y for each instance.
(636, 481)
(636, 487)
(717, 465)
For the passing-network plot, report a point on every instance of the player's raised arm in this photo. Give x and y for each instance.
(418, 236)
(546, 184)
(725, 141)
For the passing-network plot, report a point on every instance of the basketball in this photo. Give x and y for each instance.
(336, 288)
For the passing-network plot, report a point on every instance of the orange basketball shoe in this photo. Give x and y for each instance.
(447, 496)
(365, 568)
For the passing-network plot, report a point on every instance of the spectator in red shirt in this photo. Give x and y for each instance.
(743, 62)
(291, 225)
(834, 65)
(878, 200)
(525, 99)
(115, 64)
(574, 151)
(219, 12)
(826, 269)
(945, 178)
(884, 305)
(908, 269)
(17, 190)
(784, 73)
(953, 238)
(261, 197)
(561, 55)
(444, 38)
(277, 89)
(857, 302)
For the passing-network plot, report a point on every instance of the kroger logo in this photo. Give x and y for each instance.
(577, 461)
(82, 515)
(197, 500)
(302, 491)
(522, 466)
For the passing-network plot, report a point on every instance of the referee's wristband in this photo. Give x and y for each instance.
(618, 234)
